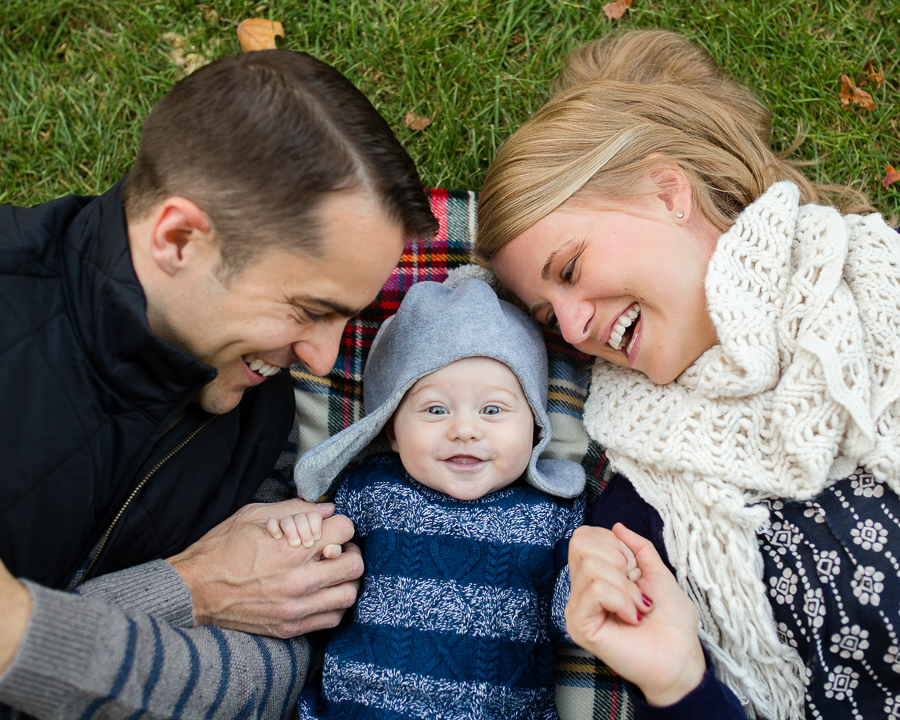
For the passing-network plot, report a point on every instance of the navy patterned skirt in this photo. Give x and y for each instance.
(832, 565)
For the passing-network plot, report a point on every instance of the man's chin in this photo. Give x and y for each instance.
(218, 400)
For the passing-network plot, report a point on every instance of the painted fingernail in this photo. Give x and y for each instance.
(640, 617)
(647, 601)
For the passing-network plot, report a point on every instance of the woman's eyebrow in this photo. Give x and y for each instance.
(545, 271)
(533, 310)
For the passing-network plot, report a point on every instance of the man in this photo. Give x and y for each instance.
(144, 395)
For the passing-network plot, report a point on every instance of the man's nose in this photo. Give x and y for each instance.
(318, 350)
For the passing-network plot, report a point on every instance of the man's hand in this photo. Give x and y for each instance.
(653, 643)
(241, 578)
(15, 611)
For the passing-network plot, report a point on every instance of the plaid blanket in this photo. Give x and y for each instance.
(585, 688)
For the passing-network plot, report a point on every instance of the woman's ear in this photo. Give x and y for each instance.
(672, 187)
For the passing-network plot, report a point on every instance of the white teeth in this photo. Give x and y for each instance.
(625, 321)
(260, 366)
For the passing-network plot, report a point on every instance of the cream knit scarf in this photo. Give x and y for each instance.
(802, 389)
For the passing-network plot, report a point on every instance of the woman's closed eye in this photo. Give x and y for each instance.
(568, 273)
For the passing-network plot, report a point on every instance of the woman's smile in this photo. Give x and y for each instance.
(626, 285)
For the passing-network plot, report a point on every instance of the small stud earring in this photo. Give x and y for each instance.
(680, 214)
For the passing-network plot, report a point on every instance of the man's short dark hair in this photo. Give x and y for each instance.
(258, 141)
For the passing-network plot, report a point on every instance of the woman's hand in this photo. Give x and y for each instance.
(646, 631)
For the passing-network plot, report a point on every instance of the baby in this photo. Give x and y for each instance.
(463, 529)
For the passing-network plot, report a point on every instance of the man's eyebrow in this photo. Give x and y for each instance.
(329, 304)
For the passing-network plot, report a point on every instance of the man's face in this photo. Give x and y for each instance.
(465, 430)
(287, 307)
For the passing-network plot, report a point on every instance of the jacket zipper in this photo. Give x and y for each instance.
(136, 490)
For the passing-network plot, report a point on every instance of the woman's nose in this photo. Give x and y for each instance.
(574, 320)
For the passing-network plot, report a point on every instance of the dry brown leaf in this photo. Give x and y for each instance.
(890, 177)
(258, 34)
(517, 38)
(175, 40)
(852, 95)
(187, 61)
(875, 77)
(416, 122)
(615, 10)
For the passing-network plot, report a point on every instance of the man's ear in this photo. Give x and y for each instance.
(391, 435)
(673, 189)
(179, 232)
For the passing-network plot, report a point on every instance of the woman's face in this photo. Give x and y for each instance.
(622, 283)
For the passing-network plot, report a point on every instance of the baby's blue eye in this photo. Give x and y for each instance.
(436, 410)
(491, 410)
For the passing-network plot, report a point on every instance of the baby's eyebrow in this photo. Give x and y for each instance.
(498, 388)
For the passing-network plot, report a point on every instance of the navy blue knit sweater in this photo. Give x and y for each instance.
(454, 618)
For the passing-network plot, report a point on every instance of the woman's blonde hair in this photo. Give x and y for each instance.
(612, 125)
(647, 57)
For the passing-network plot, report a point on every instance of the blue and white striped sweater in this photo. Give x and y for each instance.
(460, 605)
(125, 645)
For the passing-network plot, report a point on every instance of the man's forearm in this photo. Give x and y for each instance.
(81, 651)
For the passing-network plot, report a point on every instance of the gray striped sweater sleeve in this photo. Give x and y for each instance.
(124, 646)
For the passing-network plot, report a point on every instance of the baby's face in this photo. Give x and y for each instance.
(465, 430)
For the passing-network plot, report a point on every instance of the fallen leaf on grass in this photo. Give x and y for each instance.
(615, 10)
(187, 61)
(258, 34)
(850, 94)
(416, 122)
(877, 78)
(890, 177)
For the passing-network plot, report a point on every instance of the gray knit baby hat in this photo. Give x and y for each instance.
(435, 326)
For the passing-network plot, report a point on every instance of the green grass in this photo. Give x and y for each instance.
(78, 76)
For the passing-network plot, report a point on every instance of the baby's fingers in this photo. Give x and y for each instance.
(274, 528)
(634, 572)
(310, 529)
(290, 526)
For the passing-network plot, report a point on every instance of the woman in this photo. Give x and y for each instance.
(746, 391)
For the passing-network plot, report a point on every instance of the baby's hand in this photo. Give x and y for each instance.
(301, 529)
(632, 571)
